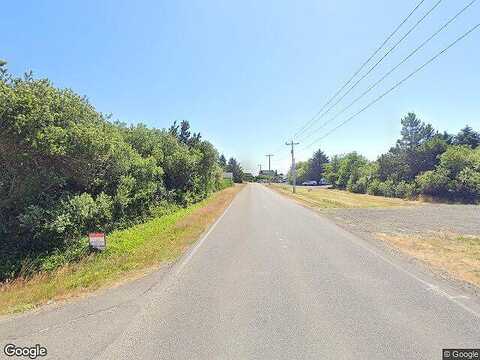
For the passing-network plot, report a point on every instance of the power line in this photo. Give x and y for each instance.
(397, 84)
(360, 68)
(371, 87)
(374, 66)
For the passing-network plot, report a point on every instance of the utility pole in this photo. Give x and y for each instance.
(269, 168)
(294, 170)
(269, 156)
(260, 167)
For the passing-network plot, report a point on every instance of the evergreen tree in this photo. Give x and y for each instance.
(222, 161)
(316, 165)
(467, 136)
(234, 167)
(414, 132)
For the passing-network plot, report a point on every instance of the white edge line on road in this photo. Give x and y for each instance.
(360, 242)
(428, 285)
(199, 243)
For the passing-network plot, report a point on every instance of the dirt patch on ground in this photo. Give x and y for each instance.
(459, 219)
(458, 255)
(444, 237)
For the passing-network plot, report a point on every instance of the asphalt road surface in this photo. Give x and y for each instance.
(271, 280)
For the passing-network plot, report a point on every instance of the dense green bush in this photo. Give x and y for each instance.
(387, 188)
(457, 176)
(406, 190)
(422, 162)
(225, 183)
(313, 169)
(373, 187)
(433, 182)
(345, 170)
(66, 170)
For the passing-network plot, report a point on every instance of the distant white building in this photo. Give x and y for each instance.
(228, 175)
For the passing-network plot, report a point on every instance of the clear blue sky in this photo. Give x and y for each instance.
(248, 73)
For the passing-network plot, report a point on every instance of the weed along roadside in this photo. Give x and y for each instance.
(322, 198)
(130, 253)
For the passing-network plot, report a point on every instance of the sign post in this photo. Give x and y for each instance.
(97, 241)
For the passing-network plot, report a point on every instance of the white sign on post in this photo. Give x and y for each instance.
(97, 241)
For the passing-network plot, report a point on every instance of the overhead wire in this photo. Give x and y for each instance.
(432, 59)
(361, 66)
(374, 66)
(375, 84)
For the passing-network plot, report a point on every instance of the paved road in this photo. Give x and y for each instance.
(272, 280)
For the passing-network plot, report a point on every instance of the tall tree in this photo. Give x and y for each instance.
(222, 161)
(182, 133)
(414, 132)
(3, 69)
(301, 172)
(234, 167)
(415, 151)
(316, 165)
(467, 136)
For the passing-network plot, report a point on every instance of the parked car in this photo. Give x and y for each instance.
(322, 182)
(309, 183)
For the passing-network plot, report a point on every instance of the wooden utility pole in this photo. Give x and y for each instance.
(269, 157)
(294, 170)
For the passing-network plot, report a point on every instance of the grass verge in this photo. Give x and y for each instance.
(458, 255)
(323, 198)
(130, 253)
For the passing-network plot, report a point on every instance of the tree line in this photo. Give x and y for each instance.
(422, 162)
(67, 170)
(232, 166)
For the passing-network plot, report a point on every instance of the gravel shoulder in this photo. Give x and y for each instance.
(459, 219)
(441, 238)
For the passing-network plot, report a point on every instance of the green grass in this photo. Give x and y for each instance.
(323, 198)
(130, 253)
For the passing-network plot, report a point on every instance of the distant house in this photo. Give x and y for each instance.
(228, 175)
(269, 173)
(248, 177)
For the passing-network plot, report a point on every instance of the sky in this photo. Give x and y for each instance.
(249, 74)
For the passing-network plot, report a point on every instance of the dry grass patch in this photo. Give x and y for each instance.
(458, 255)
(323, 198)
(131, 253)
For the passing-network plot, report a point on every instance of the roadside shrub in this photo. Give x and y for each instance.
(331, 170)
(457, 158)
(457, 176)
(75, 252)
(468, 183)
(365, 175)
(349, 169)
(373, 187)
(344, 171)
(224, 183)
(359, 187)
(433, 182)
(406, 190)
(387, 188)
(58, 226)
(66, 170)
